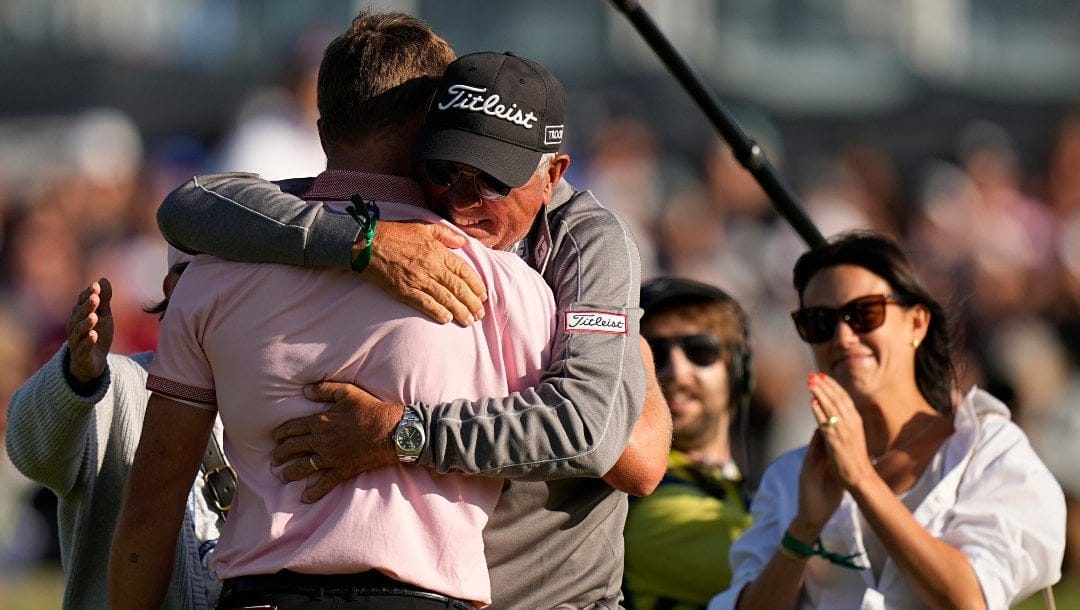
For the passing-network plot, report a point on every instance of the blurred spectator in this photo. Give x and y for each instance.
(1063, 171)
(274, 134)
(1013, 232)
(140, 254)
(101, 164)
(626, 169)
(24, 532)
(677, 538)
(41, 264)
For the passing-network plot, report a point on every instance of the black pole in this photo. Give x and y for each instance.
(748, 153)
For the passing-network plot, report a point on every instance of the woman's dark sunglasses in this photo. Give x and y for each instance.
(445, 174)
(701, 350)
(864, 314)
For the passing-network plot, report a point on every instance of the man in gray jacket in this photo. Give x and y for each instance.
(555, 538)
(74, 426)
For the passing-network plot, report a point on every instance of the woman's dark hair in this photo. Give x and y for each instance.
(159, 308)
(935, 373)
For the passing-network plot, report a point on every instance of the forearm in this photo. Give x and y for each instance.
(777, 587)
(567, 426)
(577, 422)
(47, 426)
(174, 438)
(754, 555)
(643, 462)
(245, 218)
(941, 574)
(143, 552)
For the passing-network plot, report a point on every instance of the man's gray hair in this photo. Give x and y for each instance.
(544, 165)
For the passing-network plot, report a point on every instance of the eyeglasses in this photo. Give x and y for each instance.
(864, 314)
(701, 350)
(445, 174)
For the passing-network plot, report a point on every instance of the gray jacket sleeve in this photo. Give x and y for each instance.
(242, 217)
(578, 420)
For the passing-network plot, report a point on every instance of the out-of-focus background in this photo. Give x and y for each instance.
(954, 124)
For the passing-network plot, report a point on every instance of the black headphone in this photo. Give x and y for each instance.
(669, 292)
(741, 370)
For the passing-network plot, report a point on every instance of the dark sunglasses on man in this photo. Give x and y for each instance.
(864, 314)
(445, 174)
(700, 350)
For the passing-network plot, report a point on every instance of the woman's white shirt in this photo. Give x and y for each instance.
(996, 502)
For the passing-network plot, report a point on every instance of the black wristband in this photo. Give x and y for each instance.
(80, 388)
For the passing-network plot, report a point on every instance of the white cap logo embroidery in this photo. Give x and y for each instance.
(595, 322)
(464, 97)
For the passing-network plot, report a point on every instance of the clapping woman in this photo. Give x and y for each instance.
(909, 494)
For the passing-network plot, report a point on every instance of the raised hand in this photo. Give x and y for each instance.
(820, 491)
(90, 331)
(411, 261)
(841, 427)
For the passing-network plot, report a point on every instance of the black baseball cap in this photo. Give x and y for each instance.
(496, 112)
(664, 292)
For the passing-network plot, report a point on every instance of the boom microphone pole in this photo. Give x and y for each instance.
(748, 153)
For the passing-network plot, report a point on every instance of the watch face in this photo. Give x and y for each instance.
(410, 438)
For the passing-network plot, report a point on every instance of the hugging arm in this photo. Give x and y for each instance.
(578, 421)
(242, 217)
(644, 459)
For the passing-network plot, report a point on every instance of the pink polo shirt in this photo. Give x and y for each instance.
(245, 338)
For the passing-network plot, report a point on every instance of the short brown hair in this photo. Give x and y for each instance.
(380, 73)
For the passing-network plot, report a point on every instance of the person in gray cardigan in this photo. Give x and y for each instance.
(74, 426)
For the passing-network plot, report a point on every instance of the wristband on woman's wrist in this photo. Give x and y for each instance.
(792, 555)
(798, 550)
(366, 214)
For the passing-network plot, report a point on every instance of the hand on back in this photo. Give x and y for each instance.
(412, 262)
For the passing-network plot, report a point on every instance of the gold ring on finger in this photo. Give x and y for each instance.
(832, 421)
(311, 460)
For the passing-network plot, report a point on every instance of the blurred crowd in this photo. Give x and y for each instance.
(997, 232)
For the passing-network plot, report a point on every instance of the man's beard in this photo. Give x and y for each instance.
(696, 432)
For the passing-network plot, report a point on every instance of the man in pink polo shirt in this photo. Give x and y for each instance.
(243, 339)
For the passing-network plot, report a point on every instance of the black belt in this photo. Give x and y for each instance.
(371, 582)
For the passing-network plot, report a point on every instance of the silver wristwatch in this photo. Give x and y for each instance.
(409, 437)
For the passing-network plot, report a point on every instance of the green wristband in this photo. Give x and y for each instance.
(805, 551)
(795, 546)
(361, 261)
(367, 221)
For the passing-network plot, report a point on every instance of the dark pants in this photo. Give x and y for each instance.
(366, 591)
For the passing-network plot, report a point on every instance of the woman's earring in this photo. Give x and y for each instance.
(915, 343)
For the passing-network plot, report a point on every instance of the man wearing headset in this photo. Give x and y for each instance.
(677, 538)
